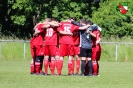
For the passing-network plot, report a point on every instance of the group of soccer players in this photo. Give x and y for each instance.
(52, 41)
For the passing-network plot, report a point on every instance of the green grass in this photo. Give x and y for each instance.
(15, 74)
(124, 52)
(14, 50)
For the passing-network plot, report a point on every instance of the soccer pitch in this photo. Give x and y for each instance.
(15, 74)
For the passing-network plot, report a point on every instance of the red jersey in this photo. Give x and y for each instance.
(51, 36)
(94, 46)
(67, 27)
(38, 40)
(76, 38)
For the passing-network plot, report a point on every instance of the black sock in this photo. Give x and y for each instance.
(83, 66)
(90, 66)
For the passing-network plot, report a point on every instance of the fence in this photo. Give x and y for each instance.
(22, 41)
(26, 41)
(116, 47)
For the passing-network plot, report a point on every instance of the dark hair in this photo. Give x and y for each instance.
(53, 19)
(74, 18)
(89, 22)
(83, 21)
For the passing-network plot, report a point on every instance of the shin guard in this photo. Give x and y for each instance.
(69, 66)
(46, 66)
(77, 65)
(72, 67)
(52, 65)
(60, 67)
(37, 67)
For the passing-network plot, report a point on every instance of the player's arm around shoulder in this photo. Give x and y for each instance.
(40, 29)
(59, 29)
(84, 27)
(91, 33)
(36, 26)
(45, 26)
(54, 24)
(98, 41)
(65, 33)
(36, 32)
(98, 37)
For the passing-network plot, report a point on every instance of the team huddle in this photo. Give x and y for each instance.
(52, 41)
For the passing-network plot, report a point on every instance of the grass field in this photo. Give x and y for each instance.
(14, 50)
(15, 74)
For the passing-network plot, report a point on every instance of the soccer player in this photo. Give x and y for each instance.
(96, 49)
(67, 43)
(50, 47)
(38, 46)
(76, 39)
(85, 47)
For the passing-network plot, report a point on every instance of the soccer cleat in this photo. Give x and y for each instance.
(45, 74)
(58, 74)
(85, 74)
(53, 74)
(82, 74)
(32, 73)
(90, 75)
(69, 74)
(41, 73)
(72, 74)
(76, 74)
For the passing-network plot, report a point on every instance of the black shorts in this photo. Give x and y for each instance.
(85, 52)
(39, 58)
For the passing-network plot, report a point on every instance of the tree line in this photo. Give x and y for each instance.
(18, 17)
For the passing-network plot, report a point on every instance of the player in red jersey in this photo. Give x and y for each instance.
(50, 47)
(76, 39)
(67, 43)
(57, 56)
(38, 46)
(96, 49)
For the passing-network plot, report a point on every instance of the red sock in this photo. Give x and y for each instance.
(57, 65)
(72, 67)
(69, 66)
(77, 65)
(46, 65)
(37, 67)
(32, 68)
(49, 64)
(52, 65)
(40, 67)
(95, 68)
(60, 67)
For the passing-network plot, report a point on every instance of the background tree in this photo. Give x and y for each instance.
(18, 17)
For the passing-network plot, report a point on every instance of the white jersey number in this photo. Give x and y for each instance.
(49, 32)
(67, 29)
